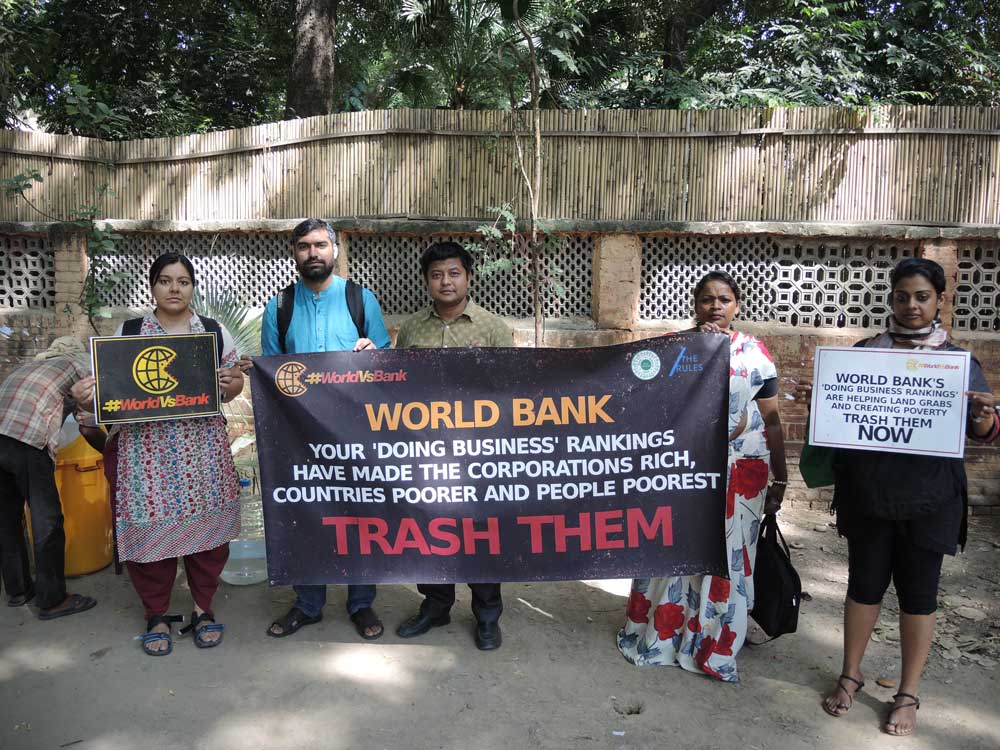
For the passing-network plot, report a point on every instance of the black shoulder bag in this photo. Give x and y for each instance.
(777, 588)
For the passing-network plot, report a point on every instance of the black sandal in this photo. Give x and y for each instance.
(915, 702)
(198, 633)
(148, 638)
(19, 600)
(845, 707)
(366, 618)
(291, 621)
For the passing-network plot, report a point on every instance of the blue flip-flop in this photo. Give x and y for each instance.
(148, 638)
(198, 633)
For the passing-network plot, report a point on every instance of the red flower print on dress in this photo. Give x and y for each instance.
(704, 651)
(747, 571)
(724, 646)
(748, 477)
(668, 619)
(638, 608)
(719, 590)
(693, 625)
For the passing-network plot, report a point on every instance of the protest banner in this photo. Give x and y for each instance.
(146, 378)
(444, 465)
(895, 400)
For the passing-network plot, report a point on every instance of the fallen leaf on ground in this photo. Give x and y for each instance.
(886, 682)
(970, 613)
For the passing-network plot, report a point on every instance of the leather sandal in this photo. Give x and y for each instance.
(843, 708)
(366, 618)
(914, 703)
(291, 621)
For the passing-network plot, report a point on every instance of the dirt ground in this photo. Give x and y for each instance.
(557, 682)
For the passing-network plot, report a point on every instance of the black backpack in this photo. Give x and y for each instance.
(776, 585)
(286, 307)
(133, 327)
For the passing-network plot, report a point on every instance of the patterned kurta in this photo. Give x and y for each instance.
(177, 487)
(700, 622)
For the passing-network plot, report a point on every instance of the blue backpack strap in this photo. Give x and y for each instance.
(213, 326)
(132, 327)
(286, 306)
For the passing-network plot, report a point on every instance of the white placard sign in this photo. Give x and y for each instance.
(896, 400)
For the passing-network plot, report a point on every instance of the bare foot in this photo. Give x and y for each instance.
(839, 702)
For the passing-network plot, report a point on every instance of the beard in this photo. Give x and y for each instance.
(315, 273)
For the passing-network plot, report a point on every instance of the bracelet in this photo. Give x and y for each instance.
(779, 482)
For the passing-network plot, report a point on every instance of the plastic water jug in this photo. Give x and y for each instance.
(247, 558)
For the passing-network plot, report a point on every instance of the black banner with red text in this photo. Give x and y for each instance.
(452, 465)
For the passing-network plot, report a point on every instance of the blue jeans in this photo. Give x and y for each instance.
(311, 599)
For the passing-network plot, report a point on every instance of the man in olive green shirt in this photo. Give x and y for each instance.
(453, 320)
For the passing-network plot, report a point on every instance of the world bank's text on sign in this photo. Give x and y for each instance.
(427, 465)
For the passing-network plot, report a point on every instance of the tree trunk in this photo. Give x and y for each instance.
(681, 25)
(311, 77)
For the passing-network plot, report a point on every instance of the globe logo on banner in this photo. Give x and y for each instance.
(287, 379)
(149, 370)
(645, 365)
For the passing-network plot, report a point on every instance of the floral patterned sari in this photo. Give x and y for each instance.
(700, 622)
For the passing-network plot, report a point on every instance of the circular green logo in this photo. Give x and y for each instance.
(645, 365)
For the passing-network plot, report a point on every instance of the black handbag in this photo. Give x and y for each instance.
(777, 588)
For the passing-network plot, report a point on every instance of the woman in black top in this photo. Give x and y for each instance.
(902, 513)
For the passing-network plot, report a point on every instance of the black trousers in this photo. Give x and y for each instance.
(28, 473)
(439, 598)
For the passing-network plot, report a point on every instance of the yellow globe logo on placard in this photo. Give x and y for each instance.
(287, 379)
(149, 370)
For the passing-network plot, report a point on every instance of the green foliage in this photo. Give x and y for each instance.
(816, 53)
(223, 303)
(502, 248)
(109, 69)
(18, 185)
(170, 67)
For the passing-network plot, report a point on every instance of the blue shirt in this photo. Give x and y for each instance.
(322, 321)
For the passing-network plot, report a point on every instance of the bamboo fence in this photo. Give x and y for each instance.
(911, 165)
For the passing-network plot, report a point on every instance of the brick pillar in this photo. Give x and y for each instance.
(617, 266)
(944, 252)
(344, 244)
(69, 245)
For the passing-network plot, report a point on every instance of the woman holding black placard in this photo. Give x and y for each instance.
(700, 622)
(176, 493)
(901, 513)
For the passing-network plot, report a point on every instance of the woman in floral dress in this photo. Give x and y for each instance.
(177, 493)
(700, 622)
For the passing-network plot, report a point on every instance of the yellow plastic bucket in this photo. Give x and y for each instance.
(85, 497)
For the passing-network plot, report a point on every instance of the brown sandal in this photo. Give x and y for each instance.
(843, 708)
(914, 703)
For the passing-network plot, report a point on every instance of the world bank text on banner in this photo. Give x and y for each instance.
(441, 465)
(894, 400)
